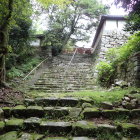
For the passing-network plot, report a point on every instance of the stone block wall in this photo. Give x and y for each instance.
(130, 72)
(110, 39)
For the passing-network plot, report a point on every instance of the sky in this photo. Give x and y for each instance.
(114, 10)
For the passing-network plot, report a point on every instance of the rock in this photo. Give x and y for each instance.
(68, 102)
(1, 114)
(13, 124)
(106, 128)
(135, 113)
(18, 111)
(91, 113)
(56, 127)
(86, 105)
(133, 92)
(122, 112)
(109, 113)
(84, 128)
(32, 123)
(56, 112)
(129, 105)
(129, 129)
(47, 101)
(7, 111)
(56, 138)
(2, 125)
(81, 138)
(121, 84)
(107, 105)
(29, 102)
(35, 111)
(127, 99)
(9, 136)
(27, 136)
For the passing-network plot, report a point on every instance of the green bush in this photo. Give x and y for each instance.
(105, 74)
(22, 70)
(117, 57)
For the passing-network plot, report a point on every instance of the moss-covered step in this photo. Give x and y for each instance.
(9, 136)
(56, 112)
(84, 128)
(21, 111)
(1, 114)
(15, 135)
(2, 126)
(32, 124)
(56, 101)
(135, 113)
(65, 138)
(91, 112)
(13, 124)
(96, 112)
(129, 129)
(56, 138)
(28, 136)
(54, 127)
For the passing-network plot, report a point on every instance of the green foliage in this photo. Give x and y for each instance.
(105, 74)
(66, 24)
(133, 19)
(117, 57)
(122, 54)
(21, 70)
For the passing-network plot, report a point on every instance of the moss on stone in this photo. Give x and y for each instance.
(14, 124)
(2, 124)
(7, 111)
(82, 128)
(91, 112)
(109, 113)
(56, 138)
(135, 113)
(9, 136)
(129, 129)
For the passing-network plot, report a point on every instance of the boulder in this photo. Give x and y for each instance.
(107, 105)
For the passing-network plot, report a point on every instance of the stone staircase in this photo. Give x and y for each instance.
(63, 119)
(57, 117)
(60, 77)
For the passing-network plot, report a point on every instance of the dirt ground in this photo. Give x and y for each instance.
(10, 97)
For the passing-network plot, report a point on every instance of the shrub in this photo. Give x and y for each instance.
(105, 74)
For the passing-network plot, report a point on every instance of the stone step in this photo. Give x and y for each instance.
(62, 128)
(47, 90)
(15, 135)
(63, 102)
(37, 111)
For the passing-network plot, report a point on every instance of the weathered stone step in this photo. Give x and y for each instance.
(69, 101)
(15, 135)
(38, 111)
(58, 91)
(114, 113)
(62, 128)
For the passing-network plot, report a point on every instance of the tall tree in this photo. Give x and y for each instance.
(74, 20)
(10, 10)
(133, 19)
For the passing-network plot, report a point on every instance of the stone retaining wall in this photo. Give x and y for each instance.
(110, 39)
(130, 72)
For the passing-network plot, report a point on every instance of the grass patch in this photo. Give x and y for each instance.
(96, 96)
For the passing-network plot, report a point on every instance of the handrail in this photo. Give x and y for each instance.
(71, 60)
(34, 69)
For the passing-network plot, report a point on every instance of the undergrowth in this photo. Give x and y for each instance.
(116, 58)
(96, 96)
(21, 70)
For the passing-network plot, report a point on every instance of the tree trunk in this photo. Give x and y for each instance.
(4, 37)
(3, 51)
